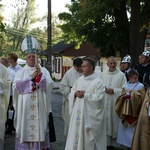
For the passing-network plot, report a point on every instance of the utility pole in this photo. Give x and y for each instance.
(49, 37)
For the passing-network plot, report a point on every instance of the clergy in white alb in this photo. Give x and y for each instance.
(114, 80)
(65, 87)
(87, 130)
(32, 95)
(5, 84)
(10, 111)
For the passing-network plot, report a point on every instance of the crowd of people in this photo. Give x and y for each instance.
(104, 110)
(101, 109)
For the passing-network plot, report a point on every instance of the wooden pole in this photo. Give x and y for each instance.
(37, 101)
(49, 39)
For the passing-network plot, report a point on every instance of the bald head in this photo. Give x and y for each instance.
(112, 63)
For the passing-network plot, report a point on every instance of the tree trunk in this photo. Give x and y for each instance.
(123, 25)
(137, 37)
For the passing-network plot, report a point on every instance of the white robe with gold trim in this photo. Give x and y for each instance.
(115, 80)
(87, 130)
(27, 121)
(65, 87)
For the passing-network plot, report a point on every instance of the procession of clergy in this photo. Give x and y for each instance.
(110, 109)
(101, 110)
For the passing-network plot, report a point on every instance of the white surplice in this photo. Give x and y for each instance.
(87, 130)
(115, 80)
(5, 84)
(29, 125)
(65, 87)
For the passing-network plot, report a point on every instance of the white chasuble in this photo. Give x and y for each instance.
(87, 115)
(32, 109)
(65, 87)
(115, 80)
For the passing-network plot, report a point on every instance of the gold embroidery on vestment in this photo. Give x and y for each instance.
(33, 97)
(33, 127)
(33, 107)
(32, 136)
(33, 117)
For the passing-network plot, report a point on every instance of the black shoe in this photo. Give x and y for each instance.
(12, 133)
(6, 132)
(110, 147)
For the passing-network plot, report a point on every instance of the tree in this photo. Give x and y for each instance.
(25, 21)
(22, 20)
(112, 26)
(2, 26)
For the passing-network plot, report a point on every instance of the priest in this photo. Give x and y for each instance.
(87, 128)
(32, 94)
(114, 81)
(65, 87)
(5, 84)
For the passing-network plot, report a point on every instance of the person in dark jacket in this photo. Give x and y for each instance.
(143, 68)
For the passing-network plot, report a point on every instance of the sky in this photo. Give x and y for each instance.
(57, 6)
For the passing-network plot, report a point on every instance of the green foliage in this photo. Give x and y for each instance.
(24, 21)
(88, 22)
(106, 24)
(2, 27)
(23, 18)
